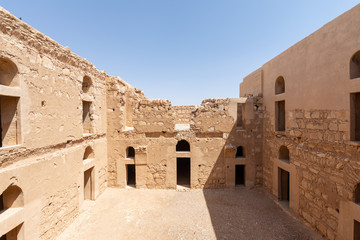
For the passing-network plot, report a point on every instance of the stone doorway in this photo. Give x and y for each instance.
(183, 171)
(284, 185)
(88, 184)
(240, 175)
(131, 175)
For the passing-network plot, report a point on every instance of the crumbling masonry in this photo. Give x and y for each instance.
(68, 131)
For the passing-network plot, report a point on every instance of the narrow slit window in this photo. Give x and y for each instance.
(87, 117)
(280, 116)
(240, 116)
(355, 116)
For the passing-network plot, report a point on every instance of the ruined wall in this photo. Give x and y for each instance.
(46, 159)
(157, 126)
(324, 162)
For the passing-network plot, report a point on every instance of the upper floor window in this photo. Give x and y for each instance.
(130, 152)
(279, 85)
(357, 194)
(355, 66)
(12, 197)
(240, 152)
(8, 71)
(87, 85)
(89, 153)
(284, 153)
(183, 146)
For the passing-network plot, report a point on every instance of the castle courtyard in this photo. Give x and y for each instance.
(239, 213)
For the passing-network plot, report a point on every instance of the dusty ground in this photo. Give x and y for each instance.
(223, 214)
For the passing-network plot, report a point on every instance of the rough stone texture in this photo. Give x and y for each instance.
(46, 160)
(324, 163)
(211, 126)
(54, 105)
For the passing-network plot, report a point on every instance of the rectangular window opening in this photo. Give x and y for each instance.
(240, 121)
(280, 116)
(355, 116)
(87, 128)
(9, 124)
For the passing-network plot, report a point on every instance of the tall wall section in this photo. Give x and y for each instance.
(53, 107)
(153, 128)
(307, 101)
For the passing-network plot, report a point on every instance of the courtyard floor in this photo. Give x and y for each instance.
(223, 214)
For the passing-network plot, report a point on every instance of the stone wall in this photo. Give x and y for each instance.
(44, 157)
(323, 162)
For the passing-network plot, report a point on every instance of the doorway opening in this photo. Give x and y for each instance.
(356, 230)
(88, 184)
(131, 175)
(284, 185)
(240, 175)
(183, 171)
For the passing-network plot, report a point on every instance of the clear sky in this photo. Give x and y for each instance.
(181, 50)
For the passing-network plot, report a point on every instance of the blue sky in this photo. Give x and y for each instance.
(181, 50)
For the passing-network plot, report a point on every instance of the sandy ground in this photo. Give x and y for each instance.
(223, 214)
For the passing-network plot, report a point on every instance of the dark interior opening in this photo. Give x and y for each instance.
(1, 127)
(88, 184)
(279, 85)
(183, 171)
(239, 120)
(284, 153)
(1, 203)
(239, 174)
(3, 237)
(240, 152)
(284, 185)
(356, 230)
(355, 116)
(131, 175)
(130, 152)
(357, 194)
(355, 66)
(183, 146)
(280, 115)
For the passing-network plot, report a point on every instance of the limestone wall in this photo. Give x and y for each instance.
(324, 162)
(45, 157)
(157, 126)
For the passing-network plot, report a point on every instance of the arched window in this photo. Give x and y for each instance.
(355, 66)
(182, 146)
(89, 153)
(240, 152)
(279, 85)
(12, 197)
(86, 84)
(130, 152)
(284, 153)
(8, 70)
(357, 194)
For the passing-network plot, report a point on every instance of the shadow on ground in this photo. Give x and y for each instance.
(243, 213)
